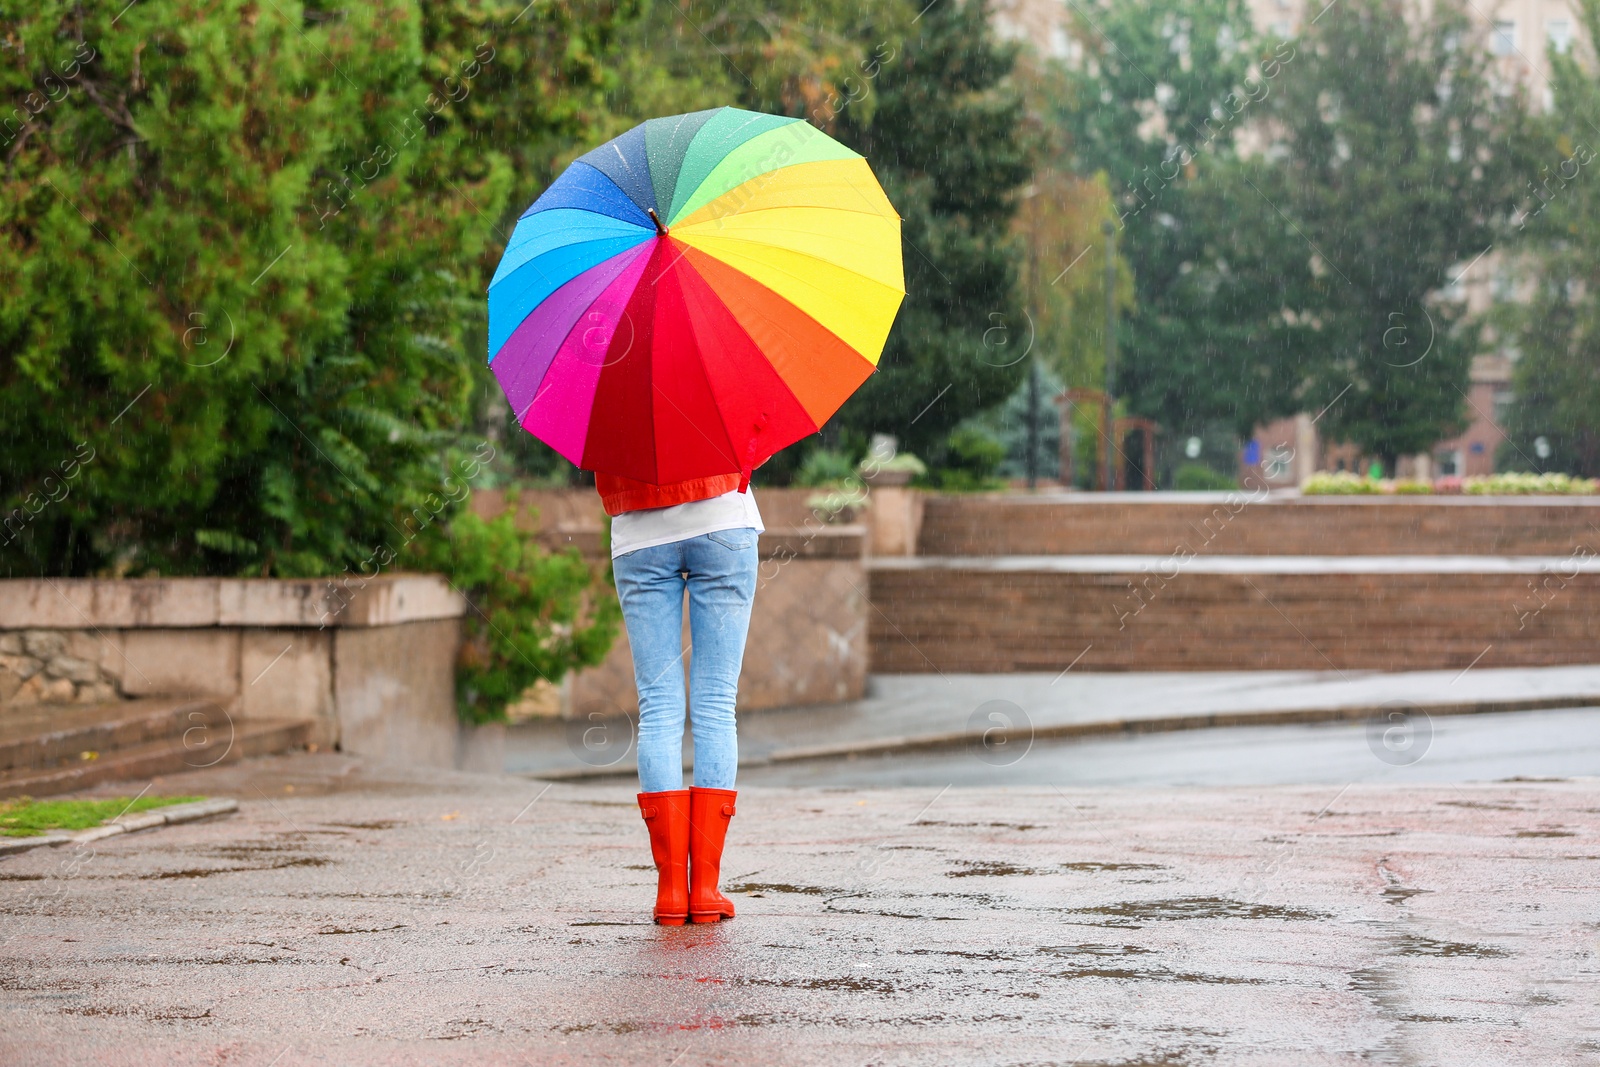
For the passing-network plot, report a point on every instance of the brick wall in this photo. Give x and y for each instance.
(996, 525)
(952, 618)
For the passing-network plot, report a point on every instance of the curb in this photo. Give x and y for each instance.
(1108, 727)
(124, 824)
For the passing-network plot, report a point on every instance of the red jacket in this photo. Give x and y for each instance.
(620, 494)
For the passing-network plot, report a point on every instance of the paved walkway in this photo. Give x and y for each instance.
(1562, 566)
(907, 711)
(351, 915)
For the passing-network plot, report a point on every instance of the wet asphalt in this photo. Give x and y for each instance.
(352, 914)
(1412, 748)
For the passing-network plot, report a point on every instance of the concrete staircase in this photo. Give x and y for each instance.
(52, 748)
(1202, 582)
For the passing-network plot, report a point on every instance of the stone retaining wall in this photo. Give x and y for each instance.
(54, 667)
(371, 664)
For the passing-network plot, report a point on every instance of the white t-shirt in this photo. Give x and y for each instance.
(633, 530)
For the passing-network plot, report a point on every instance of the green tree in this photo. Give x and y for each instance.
(1556, 390)
(946, 141)
(1392, 167)
(1158, 104)
(244, 250)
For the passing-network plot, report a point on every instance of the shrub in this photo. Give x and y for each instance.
(972, 457)
(532, 614)
(1519, 483)
(825, 467)
(1339, 483)
(900, 461)
(1197, 477)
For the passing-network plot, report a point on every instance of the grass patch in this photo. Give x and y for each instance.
(29, 818)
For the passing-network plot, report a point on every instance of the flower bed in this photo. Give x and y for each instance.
(1344, 483)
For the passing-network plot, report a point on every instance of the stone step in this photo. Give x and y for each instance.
(1239, 524)
(47, 735)
(169, 755)
(987, 615)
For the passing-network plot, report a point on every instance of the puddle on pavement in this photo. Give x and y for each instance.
(1399, 894)
(1001, 869)
(970, 825)
(846, 983)
(1371, 982)
(1093, 950)
(1134, 911)
(361, 930)
(758, 888)
(375, 824)
(1418, 945)
(1482, 805)
(207, 872)
(1544, 833)
(992, 954)
(1159, 974)
(980, 869)
(833, 906)
(242, 852)
(165, 1015)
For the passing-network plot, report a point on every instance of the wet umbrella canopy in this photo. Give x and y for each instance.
(694, 295)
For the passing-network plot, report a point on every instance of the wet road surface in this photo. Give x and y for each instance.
(352, 915)
(1408, 750)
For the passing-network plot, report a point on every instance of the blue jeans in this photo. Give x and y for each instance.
(719, 571)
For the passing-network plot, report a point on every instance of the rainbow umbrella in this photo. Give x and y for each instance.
(693, 296)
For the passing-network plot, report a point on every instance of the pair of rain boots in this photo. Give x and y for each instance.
(687, 829)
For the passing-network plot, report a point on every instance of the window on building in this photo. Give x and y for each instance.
(1503, 42)
(1449, 463)
(1504, 399)
(1558, 32)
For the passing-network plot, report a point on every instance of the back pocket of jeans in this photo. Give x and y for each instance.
(733, 540)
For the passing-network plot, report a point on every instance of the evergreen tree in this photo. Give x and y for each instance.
(946, 142)
(1391, 168)
(244, 251)
(1556, 384)
(1158, 102)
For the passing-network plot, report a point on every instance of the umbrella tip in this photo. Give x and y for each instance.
(661, 231)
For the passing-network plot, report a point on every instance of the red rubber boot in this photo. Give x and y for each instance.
(709, 812)
(666, 815)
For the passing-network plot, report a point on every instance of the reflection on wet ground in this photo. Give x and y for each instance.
(1344, 925)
